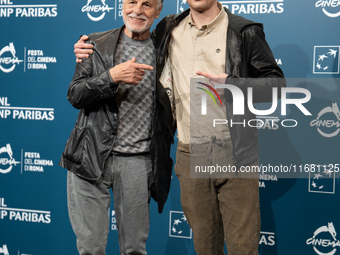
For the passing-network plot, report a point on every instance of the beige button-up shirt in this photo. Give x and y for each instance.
(193, 49)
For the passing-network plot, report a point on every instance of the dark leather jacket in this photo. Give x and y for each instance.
(92, 90)
(247, 56)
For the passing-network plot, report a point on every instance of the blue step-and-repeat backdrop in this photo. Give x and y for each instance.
(299, 215)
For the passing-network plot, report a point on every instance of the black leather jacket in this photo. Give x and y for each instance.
(247, 56)
(92, 139)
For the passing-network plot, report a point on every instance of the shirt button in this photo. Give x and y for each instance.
(218, 50)
(198, 38)
(196, 59)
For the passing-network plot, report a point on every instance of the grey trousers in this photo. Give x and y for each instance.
(88, 204)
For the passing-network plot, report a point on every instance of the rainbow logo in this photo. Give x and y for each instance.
(209, 93)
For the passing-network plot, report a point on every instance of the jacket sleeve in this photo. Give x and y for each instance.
(260, 57)
(263, 72)
(91, 82)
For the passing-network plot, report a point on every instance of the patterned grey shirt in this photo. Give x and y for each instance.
(135, 102)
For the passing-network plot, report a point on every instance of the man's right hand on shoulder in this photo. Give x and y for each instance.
(82, 49)
(129, 72)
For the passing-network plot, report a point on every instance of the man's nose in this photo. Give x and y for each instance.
(138, 9)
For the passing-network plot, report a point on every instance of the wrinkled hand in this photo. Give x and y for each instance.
(215, 79)
(82, 49)
(129, 72)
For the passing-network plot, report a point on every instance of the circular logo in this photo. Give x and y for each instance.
(7, 161)
(319, 242)
(330, 124)
(9, 60)
(325, 4)
(95, 9)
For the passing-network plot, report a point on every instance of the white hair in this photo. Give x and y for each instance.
(159, 3)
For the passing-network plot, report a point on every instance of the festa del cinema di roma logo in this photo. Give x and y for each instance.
(30, 161)
(239, 103)
(6, 163)
(35, 59)
(95, 10)
(324, 240)
(330, 8)
(323, 121)
(8, 63)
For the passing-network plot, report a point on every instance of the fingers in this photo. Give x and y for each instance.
(212, 76)
(129, 72)
(137, 80)
(132, 80)
(140, 72)
(140, 66)
(215, 81)
(143, 66)
(78, 55)
(135, 77)
(82, 45)
(205, 74)
(84, 38)
(82, 50)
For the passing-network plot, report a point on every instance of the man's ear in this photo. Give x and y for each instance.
(159, 11)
